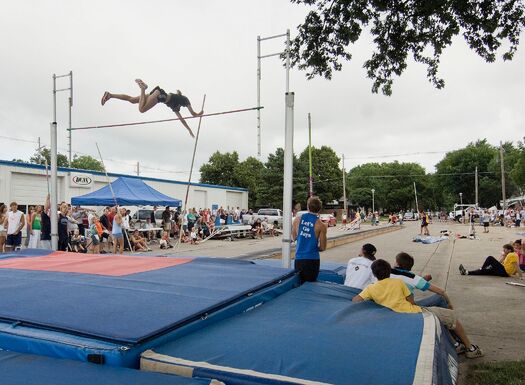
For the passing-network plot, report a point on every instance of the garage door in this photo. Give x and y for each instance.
(199, 199)
(30, 189)
(233, 199)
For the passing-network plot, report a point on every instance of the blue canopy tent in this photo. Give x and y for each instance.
(127, 192)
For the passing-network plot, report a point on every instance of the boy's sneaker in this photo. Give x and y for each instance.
(474, 352)
(460, 348)
(462, 270)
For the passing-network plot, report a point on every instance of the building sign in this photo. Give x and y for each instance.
(81, 180)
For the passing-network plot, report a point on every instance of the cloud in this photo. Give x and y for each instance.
(204, 47)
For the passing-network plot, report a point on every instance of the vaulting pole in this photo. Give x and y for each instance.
(191, 170)
(112, 193)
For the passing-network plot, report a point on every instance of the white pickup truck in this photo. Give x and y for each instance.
(272, 215)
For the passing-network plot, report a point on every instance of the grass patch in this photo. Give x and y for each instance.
(497, 373)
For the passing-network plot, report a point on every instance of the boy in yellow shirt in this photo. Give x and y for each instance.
(394, 294)
(507, 266)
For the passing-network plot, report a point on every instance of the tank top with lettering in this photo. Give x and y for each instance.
(307, 243)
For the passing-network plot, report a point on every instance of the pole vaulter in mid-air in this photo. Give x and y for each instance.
(157, 95)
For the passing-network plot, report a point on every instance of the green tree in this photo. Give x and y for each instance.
(518, 171)
(41, 156)
(270, 192)
(421, 29)
(220, 169)
(326, 172)
(249, 174)
(455, 174)
(393, 184)
(86, 162)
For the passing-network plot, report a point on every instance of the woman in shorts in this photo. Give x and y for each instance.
(3, 230)
(424, 224)
(157, 95)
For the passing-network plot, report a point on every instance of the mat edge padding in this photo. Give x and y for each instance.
(160, 363)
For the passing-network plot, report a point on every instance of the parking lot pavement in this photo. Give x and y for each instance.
(491, 311)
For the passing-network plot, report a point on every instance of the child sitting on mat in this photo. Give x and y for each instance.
(394, 294)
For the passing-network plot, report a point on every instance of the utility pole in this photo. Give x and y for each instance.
(310, 179)
(502, 163)
(344, 188)
(415, 194)
(476, 186)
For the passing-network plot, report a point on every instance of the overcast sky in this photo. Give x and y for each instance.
(210, 47)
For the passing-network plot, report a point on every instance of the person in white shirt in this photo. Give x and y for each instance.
(358, 272)
(14, 222)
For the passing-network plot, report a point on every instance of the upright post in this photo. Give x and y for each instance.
(259, 96)
(415, 194)
(69, 139)
(54, 182)
(502, 163)
(345, 208)
(476, 187)
(310, 179)
(138, 168)
(288, 181)
(54, 193)
(287, 60)
(373, 201)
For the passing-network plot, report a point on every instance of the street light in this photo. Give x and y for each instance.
(373, 201)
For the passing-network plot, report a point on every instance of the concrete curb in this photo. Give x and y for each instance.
(335, 241)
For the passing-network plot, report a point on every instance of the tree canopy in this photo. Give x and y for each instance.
(402, 29)
(393, 182)
(82, 162)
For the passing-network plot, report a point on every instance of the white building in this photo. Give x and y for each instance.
(27, 184)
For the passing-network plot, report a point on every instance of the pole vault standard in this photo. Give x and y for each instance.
(54, 180)
(259, 57)
(163, 120)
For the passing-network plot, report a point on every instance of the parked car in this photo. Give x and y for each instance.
(409, 216)
(272, 215)
(142, 215)
(328, 219)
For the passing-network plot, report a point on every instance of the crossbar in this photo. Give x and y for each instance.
(271, 54)
(163, 120)
(272, 37)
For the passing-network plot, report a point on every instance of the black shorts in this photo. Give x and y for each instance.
(14, 240)
(308, 269)
(486, 224)
(162, 96)
(177, 101)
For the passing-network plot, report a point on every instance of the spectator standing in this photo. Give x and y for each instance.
(424, 224)
(126, 228)
(3, 230)
(310, 234)
(116, 232)
(14, 222)
(485, 220)
(45, 231)
(29, 216)
(166, 220)
(63, 222)
(36, 228)
(94, 235)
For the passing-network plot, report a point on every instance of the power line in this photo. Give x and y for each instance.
(153, 169)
